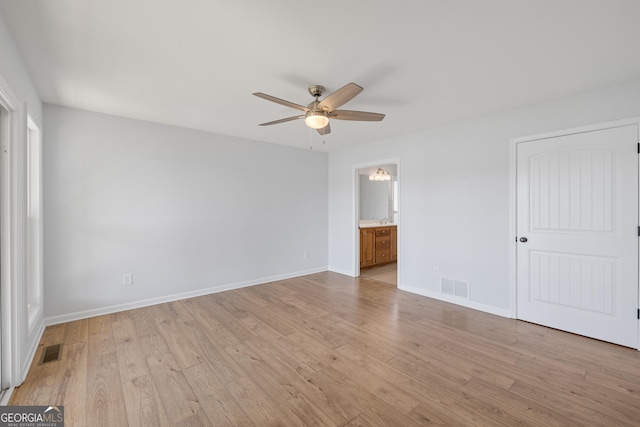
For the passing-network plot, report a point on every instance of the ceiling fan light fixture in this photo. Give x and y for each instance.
(316, 119)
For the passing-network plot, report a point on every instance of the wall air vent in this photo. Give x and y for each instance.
(454, 287)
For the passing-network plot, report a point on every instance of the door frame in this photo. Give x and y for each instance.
(9, 324)
(356, 209)
(513, 188)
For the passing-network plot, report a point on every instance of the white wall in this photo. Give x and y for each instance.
(186, 212)
(18, 340)
(454, 194)
(14, 72)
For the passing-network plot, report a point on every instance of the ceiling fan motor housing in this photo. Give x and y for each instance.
(316, 90)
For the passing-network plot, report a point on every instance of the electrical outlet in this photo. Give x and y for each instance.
(436, 271)
(127, 279)
(307, 254)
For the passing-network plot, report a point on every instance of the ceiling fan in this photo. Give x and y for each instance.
(318, 113)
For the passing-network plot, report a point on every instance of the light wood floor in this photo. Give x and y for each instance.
(327, 349)
(387, 273)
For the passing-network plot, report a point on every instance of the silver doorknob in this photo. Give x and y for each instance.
(523, 239)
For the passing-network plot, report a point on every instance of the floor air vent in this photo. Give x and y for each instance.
(454, 287)
(51, 354)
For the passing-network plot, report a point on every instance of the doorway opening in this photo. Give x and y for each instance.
(377, 218)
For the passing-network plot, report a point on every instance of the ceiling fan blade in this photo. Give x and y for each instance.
(340, 97)
(275, 122)
(356, 115)
(325, 130)
(281, 101)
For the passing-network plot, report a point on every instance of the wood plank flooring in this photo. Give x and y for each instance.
(325, 350)
(387, 273)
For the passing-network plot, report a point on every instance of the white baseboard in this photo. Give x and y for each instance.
(35, 337)
(54, 320)
(5, 396)
(503, 312)
(341, 271)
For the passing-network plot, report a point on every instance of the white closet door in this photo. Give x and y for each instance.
(577, 222)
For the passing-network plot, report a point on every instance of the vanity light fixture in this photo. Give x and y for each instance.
(380, 175)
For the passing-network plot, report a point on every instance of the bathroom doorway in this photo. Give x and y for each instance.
(377, 221)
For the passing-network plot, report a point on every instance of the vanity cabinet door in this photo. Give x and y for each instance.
(367, 250)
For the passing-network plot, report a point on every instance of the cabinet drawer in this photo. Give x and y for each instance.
(383, 243)
(383, 255)
(383, 231)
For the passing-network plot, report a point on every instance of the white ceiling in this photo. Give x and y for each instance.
(424, 63)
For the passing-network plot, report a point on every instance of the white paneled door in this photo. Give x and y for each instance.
(577, 233)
